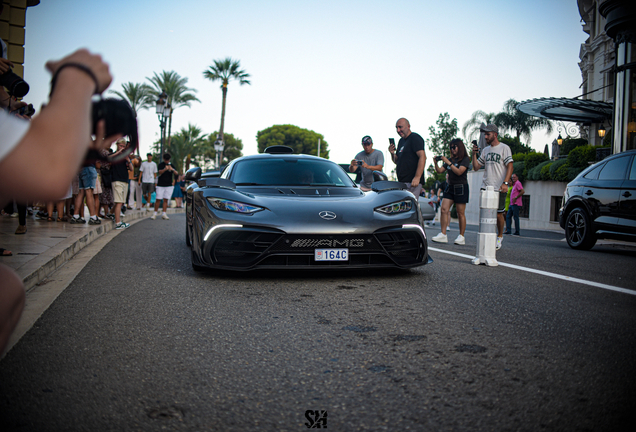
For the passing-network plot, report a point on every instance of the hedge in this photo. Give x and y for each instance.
(518, 168)
(535, 172)
(570, 144)
(580, 157)
(556, 165)
(544, 174)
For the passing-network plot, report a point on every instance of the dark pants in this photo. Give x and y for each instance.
(513, 212)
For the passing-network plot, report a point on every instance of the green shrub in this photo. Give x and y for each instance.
(581, 156)
(535, 172)
(519, 157)
(570, 144)
(519, 168)
(515, 145)
(573, 172)
(556, 165)
(561, 174)
(532, 160)
(545, 171)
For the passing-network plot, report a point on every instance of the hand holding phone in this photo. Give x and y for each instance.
(391, 145)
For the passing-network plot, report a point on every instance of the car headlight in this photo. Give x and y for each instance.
(396, 207)
(233, 206)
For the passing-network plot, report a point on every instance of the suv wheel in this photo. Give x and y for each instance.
(578, 230)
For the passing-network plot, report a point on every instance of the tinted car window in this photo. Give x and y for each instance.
(632, 173)
(289, 172)
(593, 174)
(614, 169)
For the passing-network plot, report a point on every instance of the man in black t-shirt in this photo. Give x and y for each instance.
(409, 158)
(165, 185)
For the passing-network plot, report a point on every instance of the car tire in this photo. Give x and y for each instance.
(578, 230)
(188, 240)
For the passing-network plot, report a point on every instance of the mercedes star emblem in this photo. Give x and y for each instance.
(328, 215)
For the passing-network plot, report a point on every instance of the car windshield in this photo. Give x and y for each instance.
(289, 172)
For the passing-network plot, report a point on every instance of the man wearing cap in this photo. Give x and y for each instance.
(368, 160)
(409, 157)
(147, 178)
(496, 158)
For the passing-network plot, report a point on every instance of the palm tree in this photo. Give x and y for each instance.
(178, 93)
(186, 145)
(511, 119)
(137, 95)
(472, 125)
(224, 71)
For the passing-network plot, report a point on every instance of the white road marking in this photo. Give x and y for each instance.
(544, 273)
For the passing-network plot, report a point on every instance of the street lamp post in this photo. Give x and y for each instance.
(163, 112)
(219, 145)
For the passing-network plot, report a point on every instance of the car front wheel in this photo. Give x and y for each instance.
(578, 230)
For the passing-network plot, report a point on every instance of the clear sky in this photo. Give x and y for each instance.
(344, 69)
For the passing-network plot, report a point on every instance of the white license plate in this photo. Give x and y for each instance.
(331, 254)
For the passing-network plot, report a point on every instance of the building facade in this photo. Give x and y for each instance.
(608, 67)
(597, 57)
(12, 30)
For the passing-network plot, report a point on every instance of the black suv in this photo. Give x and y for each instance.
(601, 202)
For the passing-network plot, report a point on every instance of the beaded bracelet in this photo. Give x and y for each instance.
(77, 66)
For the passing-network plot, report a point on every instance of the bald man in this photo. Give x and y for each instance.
(409, 158)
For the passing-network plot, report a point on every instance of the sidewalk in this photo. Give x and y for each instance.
(46, 246)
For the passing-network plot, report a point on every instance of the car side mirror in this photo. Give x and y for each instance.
(379, 176)
(193, 174)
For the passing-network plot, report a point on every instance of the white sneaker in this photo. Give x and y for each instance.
(165, 216)
(121, 225)
(440, 238)
(499, 240)
(460, 240)
(448, 228)
(153, 217)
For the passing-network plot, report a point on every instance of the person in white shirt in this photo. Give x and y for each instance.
(497, 161)
(147, 179)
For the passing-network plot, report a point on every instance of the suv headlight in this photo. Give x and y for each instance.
(396, 207)
(233, 206)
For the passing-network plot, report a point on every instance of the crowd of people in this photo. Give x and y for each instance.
(101, 191)
(410, 158)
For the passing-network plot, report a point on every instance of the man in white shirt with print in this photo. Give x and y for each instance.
(497, 162)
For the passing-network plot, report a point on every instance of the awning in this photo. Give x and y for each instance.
(570, 110)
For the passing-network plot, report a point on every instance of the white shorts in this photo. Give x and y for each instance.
(164, 192)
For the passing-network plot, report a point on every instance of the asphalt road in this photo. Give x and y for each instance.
(138, 341)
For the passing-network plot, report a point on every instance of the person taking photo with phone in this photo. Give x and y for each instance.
(456, 189)
(367, 161)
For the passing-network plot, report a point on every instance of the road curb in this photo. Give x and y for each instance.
(50, 261)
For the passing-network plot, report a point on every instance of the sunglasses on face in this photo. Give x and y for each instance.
(453, 147)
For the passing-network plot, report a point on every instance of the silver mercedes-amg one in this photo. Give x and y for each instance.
(279, 210)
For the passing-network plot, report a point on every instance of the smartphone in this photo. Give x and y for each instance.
(391, 141)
